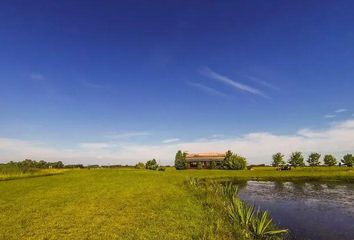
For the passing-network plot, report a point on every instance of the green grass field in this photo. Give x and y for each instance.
(121, 203)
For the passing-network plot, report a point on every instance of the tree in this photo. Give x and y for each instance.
(329, 160)
(236, 162)
(151, 164)
(348, 160)
(296, 159)
(314, 159)
(56, 164)
(278, 160)
(180, 160)
(228, 154)
(42, 164)
(140, 165)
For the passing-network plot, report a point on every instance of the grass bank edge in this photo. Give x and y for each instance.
(39, 173)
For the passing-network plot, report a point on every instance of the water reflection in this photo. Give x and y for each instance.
(311, 210)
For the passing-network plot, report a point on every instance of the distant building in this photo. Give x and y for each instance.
(204, 159)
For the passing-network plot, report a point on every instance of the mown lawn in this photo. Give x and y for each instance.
(119, 203)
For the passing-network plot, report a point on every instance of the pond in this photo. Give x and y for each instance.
(309, 210)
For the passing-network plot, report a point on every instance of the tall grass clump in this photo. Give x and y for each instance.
(239, 219)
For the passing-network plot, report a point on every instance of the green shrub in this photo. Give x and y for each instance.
(199, 165)
(235, 162)
(162, 169)
(151, 164)
(140, 165)
(213, 165)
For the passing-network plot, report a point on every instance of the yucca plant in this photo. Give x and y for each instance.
(241, 212)
(254, 222)
(230, 190)
(262, 226)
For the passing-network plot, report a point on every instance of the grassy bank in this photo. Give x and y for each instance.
(121, 203)
(231, 218)
(30, 174)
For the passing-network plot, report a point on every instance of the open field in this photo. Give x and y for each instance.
(121, 203)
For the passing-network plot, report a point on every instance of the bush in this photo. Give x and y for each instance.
(162, 169)
(235, 162)
(213, 165)
(329, 160)
(314, 159)
(296, 159)
(199, 165)
(151, 164)
(278, 160)
(140, 165)
(348, 160)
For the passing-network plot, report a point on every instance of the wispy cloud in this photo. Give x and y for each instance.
(92, 85)
(237, 85)
(36, 76)
(262, 82)
(341, 110)
(171, 140)
(98, 145)
(207, 89)
(329, 116)
(128, 134)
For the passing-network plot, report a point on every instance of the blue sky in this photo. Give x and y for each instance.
(113, 75)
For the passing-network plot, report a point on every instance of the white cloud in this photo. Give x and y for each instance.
(341, 110)
(217, 135)
(171, 140)
(329, 116)
(239, 86)
(258, 147)
(128, 134)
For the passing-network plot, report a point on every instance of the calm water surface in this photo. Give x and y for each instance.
(310, 210)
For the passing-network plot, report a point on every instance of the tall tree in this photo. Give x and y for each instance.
(228, 154)
(180, 160)
(329, 160)
(348, 160)
(314, 159)
(296, 159)
(278, 160)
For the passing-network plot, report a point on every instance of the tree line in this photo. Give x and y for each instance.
(150, 165)
(27, 165)
(314, 159)
(231, 161)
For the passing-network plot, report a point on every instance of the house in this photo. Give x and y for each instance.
(204, 159)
